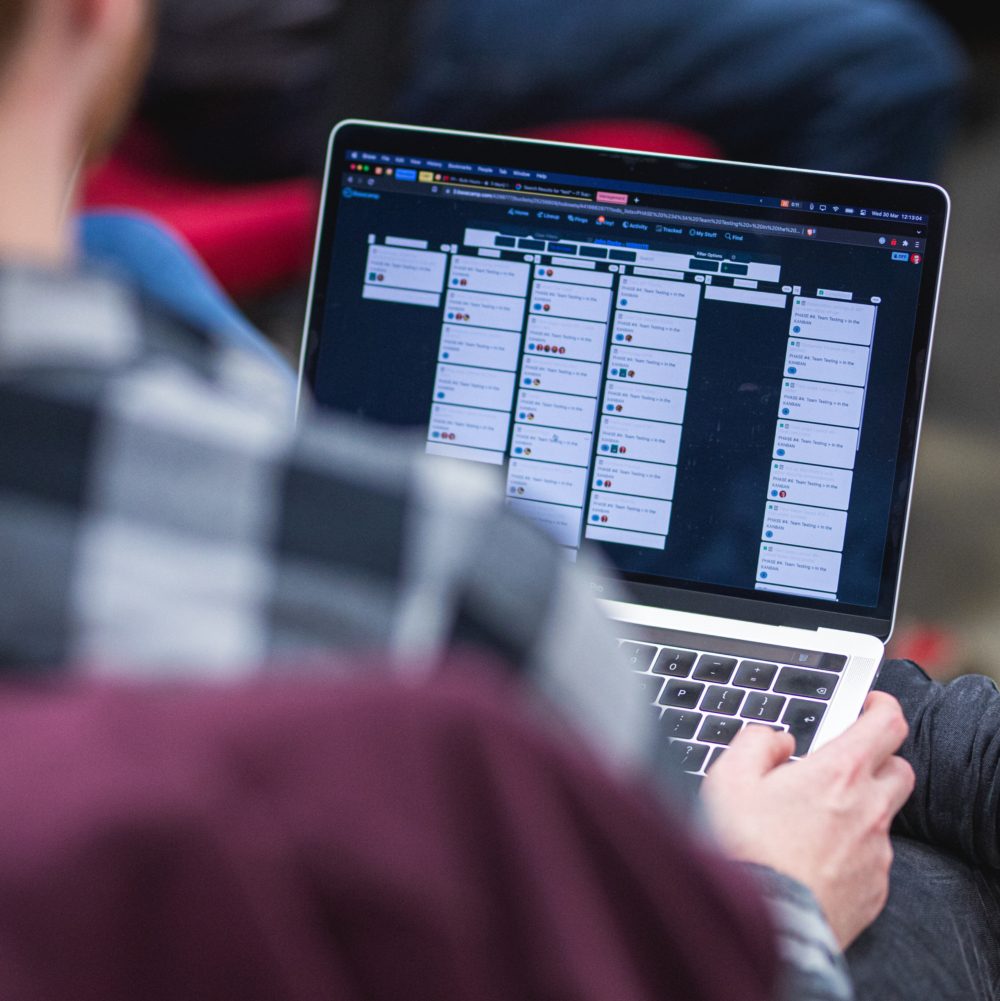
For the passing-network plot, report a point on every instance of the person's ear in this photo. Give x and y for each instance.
(111, 21)
(85, 15)
(118, 35)
(94, 33)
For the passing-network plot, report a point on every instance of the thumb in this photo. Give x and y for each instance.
(755, 751)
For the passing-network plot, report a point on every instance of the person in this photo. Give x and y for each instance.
(164, 518)
(863, 86)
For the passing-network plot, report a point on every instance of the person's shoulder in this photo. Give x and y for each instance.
(319, 532)
(63, 320)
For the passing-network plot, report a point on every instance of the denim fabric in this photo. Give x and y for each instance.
(866, 86)
(939, 937)
(954, 747)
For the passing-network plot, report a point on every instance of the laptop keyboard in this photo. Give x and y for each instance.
(705, 697)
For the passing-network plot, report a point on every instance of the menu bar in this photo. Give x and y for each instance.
(441, 170)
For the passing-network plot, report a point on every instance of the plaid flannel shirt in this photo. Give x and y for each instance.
(161, 515)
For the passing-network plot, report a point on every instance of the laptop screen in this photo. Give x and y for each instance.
(711, 372)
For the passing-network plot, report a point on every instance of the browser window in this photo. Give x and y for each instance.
(679, 376)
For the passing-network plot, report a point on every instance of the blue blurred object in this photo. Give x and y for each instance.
(158, 262)
(862, 86)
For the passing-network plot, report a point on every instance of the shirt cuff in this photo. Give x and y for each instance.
(813, 965)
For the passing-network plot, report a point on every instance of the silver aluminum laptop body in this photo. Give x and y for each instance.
(712, 371)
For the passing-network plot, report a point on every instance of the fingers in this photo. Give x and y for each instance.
(875, 737)
(896, 779)
(756, 750)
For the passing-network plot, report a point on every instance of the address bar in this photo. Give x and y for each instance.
(657, 215)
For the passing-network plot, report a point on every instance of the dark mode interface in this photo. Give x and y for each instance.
(711, 397)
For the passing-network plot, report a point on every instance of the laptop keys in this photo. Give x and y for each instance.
(716, 669)
(675, 663)
(651, 684)
(688, 756)
(680, 724)
(803, 719)
(762, 707)
(722, 700)
(812, 684)
(682, 694)
(719, 729)
(754, 674)
(685, 685)
(638, 656)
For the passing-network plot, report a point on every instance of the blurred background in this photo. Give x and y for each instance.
(949, 615)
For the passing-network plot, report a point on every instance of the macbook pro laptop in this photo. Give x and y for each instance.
(712, 372)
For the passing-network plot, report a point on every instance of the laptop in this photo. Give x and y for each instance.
(711, 372)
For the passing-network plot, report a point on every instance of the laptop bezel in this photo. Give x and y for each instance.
(766, 608)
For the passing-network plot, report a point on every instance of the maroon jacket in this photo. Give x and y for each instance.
(361, 841)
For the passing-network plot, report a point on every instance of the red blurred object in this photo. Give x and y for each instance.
(253, 237)
(933, 648)
(256, 238)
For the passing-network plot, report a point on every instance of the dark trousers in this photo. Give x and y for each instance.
(939, 936)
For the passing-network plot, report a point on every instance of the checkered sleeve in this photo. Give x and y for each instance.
(164, 517)
(423, 556)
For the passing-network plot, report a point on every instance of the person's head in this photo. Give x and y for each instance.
(74, 64)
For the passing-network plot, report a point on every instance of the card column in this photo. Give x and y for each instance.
(478, 358)
(820, 413)
(645, 398)
(558, 387)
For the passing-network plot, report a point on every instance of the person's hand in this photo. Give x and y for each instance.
(823, 820)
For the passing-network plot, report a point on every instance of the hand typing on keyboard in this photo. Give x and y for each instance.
(823, 820)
